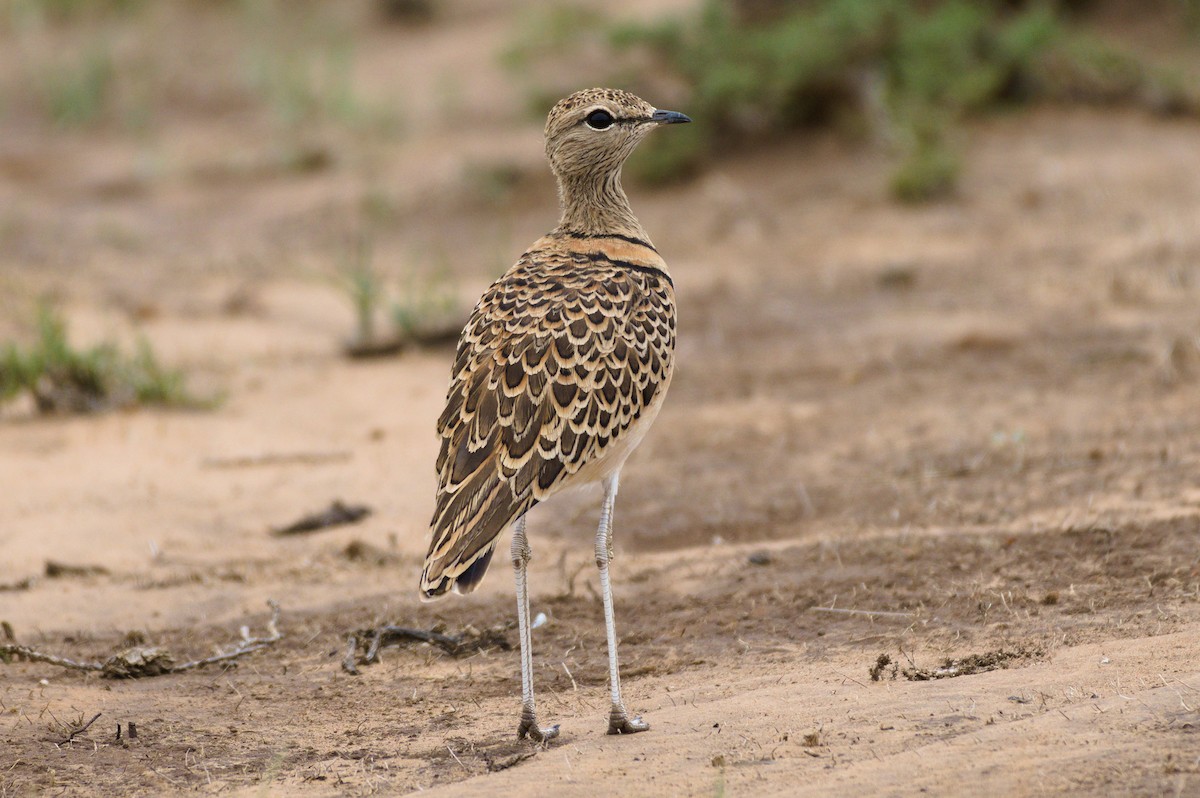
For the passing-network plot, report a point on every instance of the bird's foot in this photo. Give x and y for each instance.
(619, 722)
(529, 728)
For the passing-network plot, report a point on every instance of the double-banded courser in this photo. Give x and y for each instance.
(560, 371)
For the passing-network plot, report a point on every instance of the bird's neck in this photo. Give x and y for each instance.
(595, 204)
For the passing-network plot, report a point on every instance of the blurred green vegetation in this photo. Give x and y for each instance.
(303, 67)
(64, 379)
(84, 64)
(424, 311)
(75, 90)
(69, 10)
(906, 71)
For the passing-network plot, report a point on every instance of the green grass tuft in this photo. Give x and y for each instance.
(428, 310)
(425, 311)
(76, 90)
(64, 379)
(364, 288)
(302, 68)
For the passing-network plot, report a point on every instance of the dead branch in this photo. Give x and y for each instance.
(386, 635)
(385, 347)
(58, 570)
(143, 661)
(12, 650)
(571, 579)
(246, 645)
(348, 662)
(470, 641)
(871, 613)
(338, 514)
(79, 730)
(277, 458)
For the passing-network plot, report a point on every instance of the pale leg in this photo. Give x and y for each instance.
(618, 719)
(521, 554)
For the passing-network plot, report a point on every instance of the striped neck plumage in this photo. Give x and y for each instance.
(595, 204)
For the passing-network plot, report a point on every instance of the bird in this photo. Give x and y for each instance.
(561, 369)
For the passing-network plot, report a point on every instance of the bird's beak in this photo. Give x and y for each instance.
(669, 118)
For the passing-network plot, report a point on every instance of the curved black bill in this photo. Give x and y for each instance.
(669, 117)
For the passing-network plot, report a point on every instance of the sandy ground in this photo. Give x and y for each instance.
(964, 429)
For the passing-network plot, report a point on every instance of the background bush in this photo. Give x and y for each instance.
(903, 71)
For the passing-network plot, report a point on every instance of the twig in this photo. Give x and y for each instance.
(456, 759)
(247, 645)
(71, 734)
(27, 653)
(851, 678)
(277, 458)
(348, 664)
(374, 348)
(569, 676)
(471, 640)
(884, 613)
(571, 579)
(496, 765)
(149, 661)
(57, 570)
(338, 514)
(391, 634)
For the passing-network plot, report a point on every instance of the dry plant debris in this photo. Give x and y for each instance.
(338, 514)
(881, 666)
(56, 570)
(80, 729)
(145, 661)
(965, 666)
(469, 641)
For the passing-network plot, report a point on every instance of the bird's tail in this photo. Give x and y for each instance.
(435, 585)
(465, 527)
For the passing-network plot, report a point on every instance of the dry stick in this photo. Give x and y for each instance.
(277, 458)
(456, 759)
(569, 676)
(885, 613)
(390, 634)
(571, 579)
(851, 678)
(339, 513)
(387, 635)
(348, 664)
(71, 734)
(25, 652)
(247, 645)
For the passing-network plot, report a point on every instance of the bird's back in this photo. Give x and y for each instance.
(560, 369)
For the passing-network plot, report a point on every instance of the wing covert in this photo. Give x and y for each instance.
(557, 362)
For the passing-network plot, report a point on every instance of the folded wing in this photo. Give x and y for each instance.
(557, 362)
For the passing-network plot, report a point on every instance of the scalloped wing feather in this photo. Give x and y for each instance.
(556, 367)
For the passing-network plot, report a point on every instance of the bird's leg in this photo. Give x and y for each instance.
(619, 721)
(521, 555)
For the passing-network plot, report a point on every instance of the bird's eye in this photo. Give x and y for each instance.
(599, 120)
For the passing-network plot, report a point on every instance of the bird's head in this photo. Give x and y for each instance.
(593, 131)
